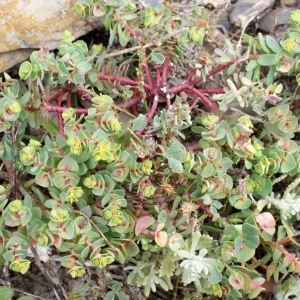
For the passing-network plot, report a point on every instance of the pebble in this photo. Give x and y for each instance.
(273, 18)
(247, 10)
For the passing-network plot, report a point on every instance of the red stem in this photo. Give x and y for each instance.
(205, 208)
(148, 74)
(168, 100)
(54, 97)
(212, 106)
(193, 147)
(151, 113)
(69, 99)
(216, 70)
(165, 68)
(62, 109)
(123, 80)
(130, 102)
(59, 117)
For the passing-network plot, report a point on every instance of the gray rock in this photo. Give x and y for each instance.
(289, 2)
(273, 18)
(26, 25)
(247, 10)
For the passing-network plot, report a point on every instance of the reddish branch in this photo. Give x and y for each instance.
(122, 80)
(205, 208)
(57, 109)
(59, 117)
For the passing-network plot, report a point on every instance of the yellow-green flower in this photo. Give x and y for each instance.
(73, 194)
(27, 153)
(149, 190)
(115, 125)
(245, 120)
(68, 114)
(289, 44)
(42, 240)
(34, 143)
(104, 152)
(102, 260)
(147, 166)
(295, 15)
(14, 107)
(60, 215)
(90, 182)
(77, 271)
(103, 100)
(209, 120)
(98, 48)
(15, 205)
(25, 70)
(75, 145)
(20, 265)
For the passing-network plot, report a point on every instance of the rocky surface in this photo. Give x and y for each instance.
(246, 11)
(26, 25)
(274, 18)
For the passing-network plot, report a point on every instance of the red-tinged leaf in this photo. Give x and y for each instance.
(142, 224)
(57, 241)
(161, 238)
(236, 280)
(159, 227)
(267, 222)
(256, 282)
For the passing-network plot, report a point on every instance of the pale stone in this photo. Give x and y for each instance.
(246, 11)
(26, 25)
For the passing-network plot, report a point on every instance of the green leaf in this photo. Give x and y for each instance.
(167, 265)
(42, 179)
(175, 165)
(157, 58)
(244, 254)
(84, 66)
(122, 36)
(26, 298)
(175, 241)
(139, 123)
(110, 296)
(267, 60)
(68, 164)
(288, 163)
(50, 126)
(243, 202)
(251, 242)
(176, 150)
(122, 296)
(250, 230)
(272, 44)
(262, 43)
(215, 276)
(6, 292)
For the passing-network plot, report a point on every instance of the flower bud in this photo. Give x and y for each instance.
(209, 120)
(77, 271)
(147, 166)
(20, 265)
(73, 194)
(68, 114)
(149, 190)
(25, 70)
(14, 107)
(90, 182)
(15, 205)
(289, 44)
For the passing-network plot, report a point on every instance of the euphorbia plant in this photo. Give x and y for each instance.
(105, 189)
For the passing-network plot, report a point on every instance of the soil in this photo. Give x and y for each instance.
(48, 280)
